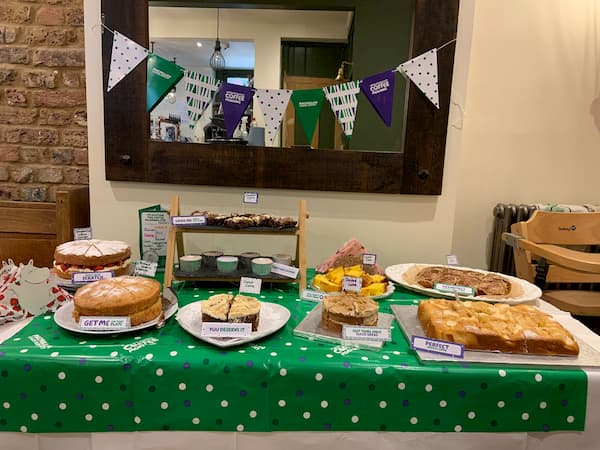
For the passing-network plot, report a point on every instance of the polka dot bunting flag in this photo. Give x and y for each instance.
(273, 103)
(342, 98)
(422, 71)
(126, 55)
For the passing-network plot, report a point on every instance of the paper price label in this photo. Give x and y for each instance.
(452, 260)
(455, 289)
(286, 271)
(89, 277)
(82, 233)
(104, 323)
(188, 221)
(435, 346)
(230, 330)
(251, 197)
(250, 285)
(312, 296)
(366, 333)
(351, 284)
(369, 259)
(145, 268)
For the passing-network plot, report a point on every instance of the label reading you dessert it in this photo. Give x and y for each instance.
(229, 330)
(98, 323)
(436, 346)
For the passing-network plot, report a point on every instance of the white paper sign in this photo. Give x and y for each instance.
(454, 288)
(154, 227)
(232, 330)
(250, 285)
(82, 233)
(436, 346)
(351, 284)
(366, 333)
(185, 221)
(312, 296)
(369, 259)
(145, 268)
(104, 323)
(250, 197)
(452, 260)
(284, 270)
(88, 277)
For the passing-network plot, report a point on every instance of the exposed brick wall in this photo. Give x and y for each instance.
(43, 119)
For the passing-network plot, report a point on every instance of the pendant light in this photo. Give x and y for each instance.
(217, 60)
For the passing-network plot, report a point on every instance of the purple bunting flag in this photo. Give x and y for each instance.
(379, 90)
(234, 100)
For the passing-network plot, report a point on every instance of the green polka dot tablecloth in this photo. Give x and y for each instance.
(52, 380)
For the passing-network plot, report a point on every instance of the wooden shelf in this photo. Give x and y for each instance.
(175, 246)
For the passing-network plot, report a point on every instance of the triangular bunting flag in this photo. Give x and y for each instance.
(199, 91)
(379, 90)
(308, 103)
(234, 100)
(273, 103)
(422, 71)
(126, 55)
(163, 75)
(342, 98)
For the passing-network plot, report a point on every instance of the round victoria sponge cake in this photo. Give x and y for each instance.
(91, 255)
(136, 297)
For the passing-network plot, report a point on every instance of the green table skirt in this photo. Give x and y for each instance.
(52, 380)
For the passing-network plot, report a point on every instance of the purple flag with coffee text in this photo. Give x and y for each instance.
(379, 89)
(234, 100)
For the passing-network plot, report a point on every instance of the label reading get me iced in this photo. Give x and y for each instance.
(99, 323)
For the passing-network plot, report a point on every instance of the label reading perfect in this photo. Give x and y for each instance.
(251, 197)
(99, 323)
(230, 330)
(435, 346)
(284, 270)
(352, 332)
(351, 284)
(145, 268)
(250, 285)
(88, 277)
(455, 289)
(82, 233)
(187, 221)
(312, 296)
(369, 259)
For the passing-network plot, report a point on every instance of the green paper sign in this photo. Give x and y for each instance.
(308, 104)
(163, 75)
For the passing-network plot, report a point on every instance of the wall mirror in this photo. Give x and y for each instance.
(410, 162)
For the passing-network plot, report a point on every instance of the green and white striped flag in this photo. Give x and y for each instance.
(342, 98)
(199, 90)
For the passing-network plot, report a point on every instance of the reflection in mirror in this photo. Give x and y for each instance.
(131, 154)
(288, 49)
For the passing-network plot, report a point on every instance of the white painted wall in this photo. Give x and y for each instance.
(526, 74)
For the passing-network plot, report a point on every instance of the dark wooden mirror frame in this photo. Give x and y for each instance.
(130, 155)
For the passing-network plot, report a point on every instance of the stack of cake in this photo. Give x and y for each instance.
(91, 255)
(227, 308)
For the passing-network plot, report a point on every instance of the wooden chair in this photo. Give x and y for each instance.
(32, 230)
(553, 247)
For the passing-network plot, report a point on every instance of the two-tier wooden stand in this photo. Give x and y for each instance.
(175, 243)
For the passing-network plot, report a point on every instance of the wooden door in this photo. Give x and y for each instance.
(289, 118)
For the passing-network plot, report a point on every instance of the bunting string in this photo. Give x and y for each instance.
(200, 89)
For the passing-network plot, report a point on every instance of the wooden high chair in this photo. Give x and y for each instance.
(553, 247)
